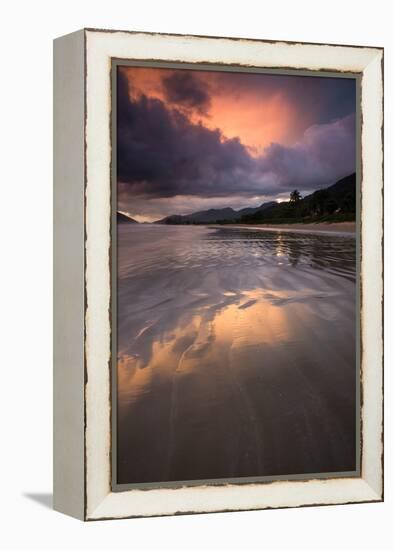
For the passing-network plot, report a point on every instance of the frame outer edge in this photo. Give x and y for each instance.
(68, 294)
(369, 488)
(372, 269)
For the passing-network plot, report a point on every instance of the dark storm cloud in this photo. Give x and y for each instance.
(185, 89)
(161, 153)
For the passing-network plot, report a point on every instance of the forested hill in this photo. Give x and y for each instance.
(334, 203)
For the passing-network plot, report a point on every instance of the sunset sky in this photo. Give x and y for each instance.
(192, 140)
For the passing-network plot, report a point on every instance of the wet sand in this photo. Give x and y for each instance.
(236, 353)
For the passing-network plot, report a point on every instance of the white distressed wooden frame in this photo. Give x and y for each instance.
(82, 469)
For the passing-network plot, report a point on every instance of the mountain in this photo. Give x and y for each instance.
(213, 215)
(123, 218)
(248, 211)
(334, 203)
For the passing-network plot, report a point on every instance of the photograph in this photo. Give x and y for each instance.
(199, 278)
(235, 274)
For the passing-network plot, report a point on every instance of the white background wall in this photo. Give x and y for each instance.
(28, 28)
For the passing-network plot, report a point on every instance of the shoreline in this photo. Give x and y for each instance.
(339, 228)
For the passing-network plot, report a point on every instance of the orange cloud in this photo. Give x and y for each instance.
(256, 119)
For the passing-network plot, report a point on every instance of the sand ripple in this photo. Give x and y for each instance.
(236, 353)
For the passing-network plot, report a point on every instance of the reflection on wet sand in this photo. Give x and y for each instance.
(236, 353)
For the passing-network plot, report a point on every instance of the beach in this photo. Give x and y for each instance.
(236, 352)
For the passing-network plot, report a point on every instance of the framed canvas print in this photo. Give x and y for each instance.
(218, 274)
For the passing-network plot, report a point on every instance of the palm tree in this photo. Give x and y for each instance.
(295, 196)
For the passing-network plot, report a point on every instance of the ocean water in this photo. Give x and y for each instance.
(236, 353)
